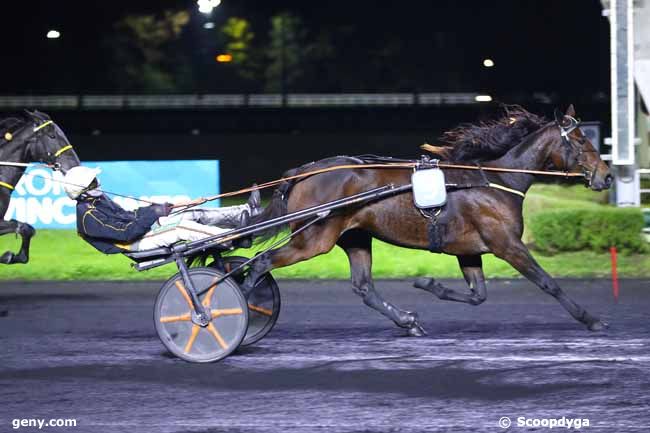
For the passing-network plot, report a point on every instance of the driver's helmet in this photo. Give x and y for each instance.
(79, 179)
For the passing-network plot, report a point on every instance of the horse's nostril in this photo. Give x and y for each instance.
(608, 180)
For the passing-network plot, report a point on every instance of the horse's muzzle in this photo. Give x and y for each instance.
(598, 183)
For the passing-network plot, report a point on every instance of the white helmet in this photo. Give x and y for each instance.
(78, 179)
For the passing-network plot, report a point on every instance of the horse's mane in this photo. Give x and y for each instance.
(11, 124)
(488, 139)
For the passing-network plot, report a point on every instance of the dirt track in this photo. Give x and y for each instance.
(89, 351)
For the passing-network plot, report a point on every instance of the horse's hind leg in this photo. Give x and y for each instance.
(26, 232)
(357, 246)
(318, 239)
(472, 268)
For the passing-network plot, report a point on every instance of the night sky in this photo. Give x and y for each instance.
(553, 46)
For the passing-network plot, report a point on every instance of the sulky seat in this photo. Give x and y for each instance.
(152, 254)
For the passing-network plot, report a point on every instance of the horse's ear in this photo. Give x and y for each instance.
(31, 115)
(41, 115)
(558, 116)
(570, 111)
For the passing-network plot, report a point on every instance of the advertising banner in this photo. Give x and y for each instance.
(39, 198)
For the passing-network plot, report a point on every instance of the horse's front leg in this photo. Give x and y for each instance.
(472, 268)
(26, 232)
(516, 253)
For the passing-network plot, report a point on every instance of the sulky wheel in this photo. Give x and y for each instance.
(263, 303)
(192, 342)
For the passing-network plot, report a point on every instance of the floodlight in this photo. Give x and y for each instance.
(206, 6)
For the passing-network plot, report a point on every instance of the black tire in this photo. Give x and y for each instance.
(193, 343)
(263, 304)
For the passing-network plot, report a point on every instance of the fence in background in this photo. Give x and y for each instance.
(162, 102)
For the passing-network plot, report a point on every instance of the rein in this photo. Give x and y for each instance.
(402, 165)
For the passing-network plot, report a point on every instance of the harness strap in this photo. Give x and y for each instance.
(505, 188)
(487, 185)
(6, 185)
(43, 125)
(63, 149)
(496, 185)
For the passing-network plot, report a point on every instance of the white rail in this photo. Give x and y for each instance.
(196, 101)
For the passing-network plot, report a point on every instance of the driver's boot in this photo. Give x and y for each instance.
(255, 202)
(247, 241)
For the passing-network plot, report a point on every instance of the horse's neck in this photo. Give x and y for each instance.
(12, 153)
(531, 154)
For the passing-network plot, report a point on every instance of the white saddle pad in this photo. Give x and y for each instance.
(429, 188)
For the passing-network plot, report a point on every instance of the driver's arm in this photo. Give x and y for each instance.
(97, 224)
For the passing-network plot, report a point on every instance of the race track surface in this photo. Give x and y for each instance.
(89, 351)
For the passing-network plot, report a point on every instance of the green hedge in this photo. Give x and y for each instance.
(588, 229)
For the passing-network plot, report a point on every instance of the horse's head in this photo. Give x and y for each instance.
(47, 143)
(572, 151)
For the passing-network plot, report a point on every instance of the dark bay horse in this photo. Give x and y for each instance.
(33, 137)
(474, 221)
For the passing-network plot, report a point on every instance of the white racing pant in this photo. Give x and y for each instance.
(191, 225)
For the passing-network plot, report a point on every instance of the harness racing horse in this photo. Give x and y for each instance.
(32, 138)
(486, 218)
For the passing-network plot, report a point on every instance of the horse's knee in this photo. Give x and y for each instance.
(25, 230)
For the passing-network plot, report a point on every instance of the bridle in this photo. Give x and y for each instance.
(51, 159)
(568, 143)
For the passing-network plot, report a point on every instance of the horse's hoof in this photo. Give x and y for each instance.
(416, 330)
(413, 326)
(598, 325)
(7, 258)
(423, 283)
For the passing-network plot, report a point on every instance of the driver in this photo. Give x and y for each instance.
(109, 228)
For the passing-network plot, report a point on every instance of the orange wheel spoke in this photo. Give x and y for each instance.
(226, 312)
(190, 342)
(181, 288)
(180, 318)
(217, 336)
(260, 310)
(208, 296)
